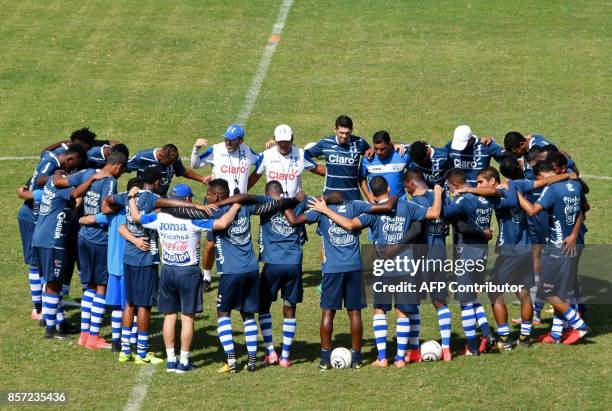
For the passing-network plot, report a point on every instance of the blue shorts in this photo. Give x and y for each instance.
(342, 287)
(26, 229)
(469, 275)
(238, 292)
(538, 228)
(180, 289)
(115, 291)
(50, 263)
(141, 285)
(513, 270)
(559, 277)
(284, 277)
(93, 260)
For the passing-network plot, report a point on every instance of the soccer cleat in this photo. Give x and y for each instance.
(270, 359)
(357, 365)
(322, 366)
(472, 349)
(575, 336)
(524, 341)
(381, 363)
(36, 316)
(447, 355)
(206, 286)
(171, 366)
(548, 339)
(400, 363)
(250, 367)
(95, 342)
(67, 328)
(227, 369)
(150, 358)
(284, 363)
(52, 333)
(116, 346)
(487, 344)
(123, 357)
(413, 356)
(506, 344)
(182, 368)
(83, 339)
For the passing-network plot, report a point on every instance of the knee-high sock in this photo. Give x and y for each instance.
(265, 323)
(415, 329)
(289, 325)
(51, 302)
(35, 287)
(98, 308)
(224, 331)
(468, 320)
(444, 322)
(250, 336)
(379, 324)
(86, 302)
(481, 317)
(402, 333)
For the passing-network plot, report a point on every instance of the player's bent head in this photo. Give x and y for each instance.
(74, 157)
(134, 182)
(381, 137)
(543, 169)
(379, 186)
(168, 155)
(515, 143)
(558, 161)
(488, 177)
(413, 179)
(121, 148)
(115, 163)
(511, 168)
(218, 189)
(83, 137)
(274, 187)
(152, 176)
(456, 177)
(419, 152)
(534, 154)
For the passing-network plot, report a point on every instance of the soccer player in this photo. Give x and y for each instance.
(96, 156)
(231, 160)
(342, 153)
(432, 162)
(564, 203)
(69, 160)
(388, 229)
(169, 162)
(471, 154)
(92, 245)
(517, 144)
(470, 258)
(341, 271)
(280, 247)
(284, 163)
(181, 279)
(386, 162)
(83, 137)
(48, 241)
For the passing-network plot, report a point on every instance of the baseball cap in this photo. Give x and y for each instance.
(283, 133)
(461, 137)
(181, 191)
(233, 132)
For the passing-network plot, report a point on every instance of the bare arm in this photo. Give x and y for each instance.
(25, 194)
(88, 220)
(319, 170)
(363, 183)
(384, 208)
(227, 218)
(344, 222)
(293, 219)
(192, 175)
(480, 191)
(56, 145)
(253, 179)
(530, 209)
(237, 198)
(142, 243)
(80, 190)
(109, 206)
(42, 180)
(433, 213)
(553, 179)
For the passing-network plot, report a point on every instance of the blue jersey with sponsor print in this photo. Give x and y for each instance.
(341, 251)
(389, 228)
(147, 158)
(475, 211)
(92, 203)
(474, 158)
(562, 202)
(513, 237)
(342, 162)
(52, 222)
(279, 242)
(45, 167)
(435, 169)
(435, 230)
(145, 201)
(391, 168)
(233, 248)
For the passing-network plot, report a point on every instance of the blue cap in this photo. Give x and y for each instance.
(181, 191)
(233, 132)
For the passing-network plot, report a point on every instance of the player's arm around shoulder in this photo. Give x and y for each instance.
(226, 219)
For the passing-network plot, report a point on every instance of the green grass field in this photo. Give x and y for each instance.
(154, 72)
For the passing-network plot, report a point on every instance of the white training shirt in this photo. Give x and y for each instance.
(179, 238)
(285, 169)
(232, 167)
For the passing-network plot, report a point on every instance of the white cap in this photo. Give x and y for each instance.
(461, 137)
(283, 133)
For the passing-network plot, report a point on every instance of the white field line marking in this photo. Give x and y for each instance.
(264, 63)
(139, 392)
(146, 372)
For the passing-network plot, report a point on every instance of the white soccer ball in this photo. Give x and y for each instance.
(341, 358)
(431, 351)
(309, 145)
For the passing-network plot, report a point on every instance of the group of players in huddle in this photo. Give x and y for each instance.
(74, 214)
